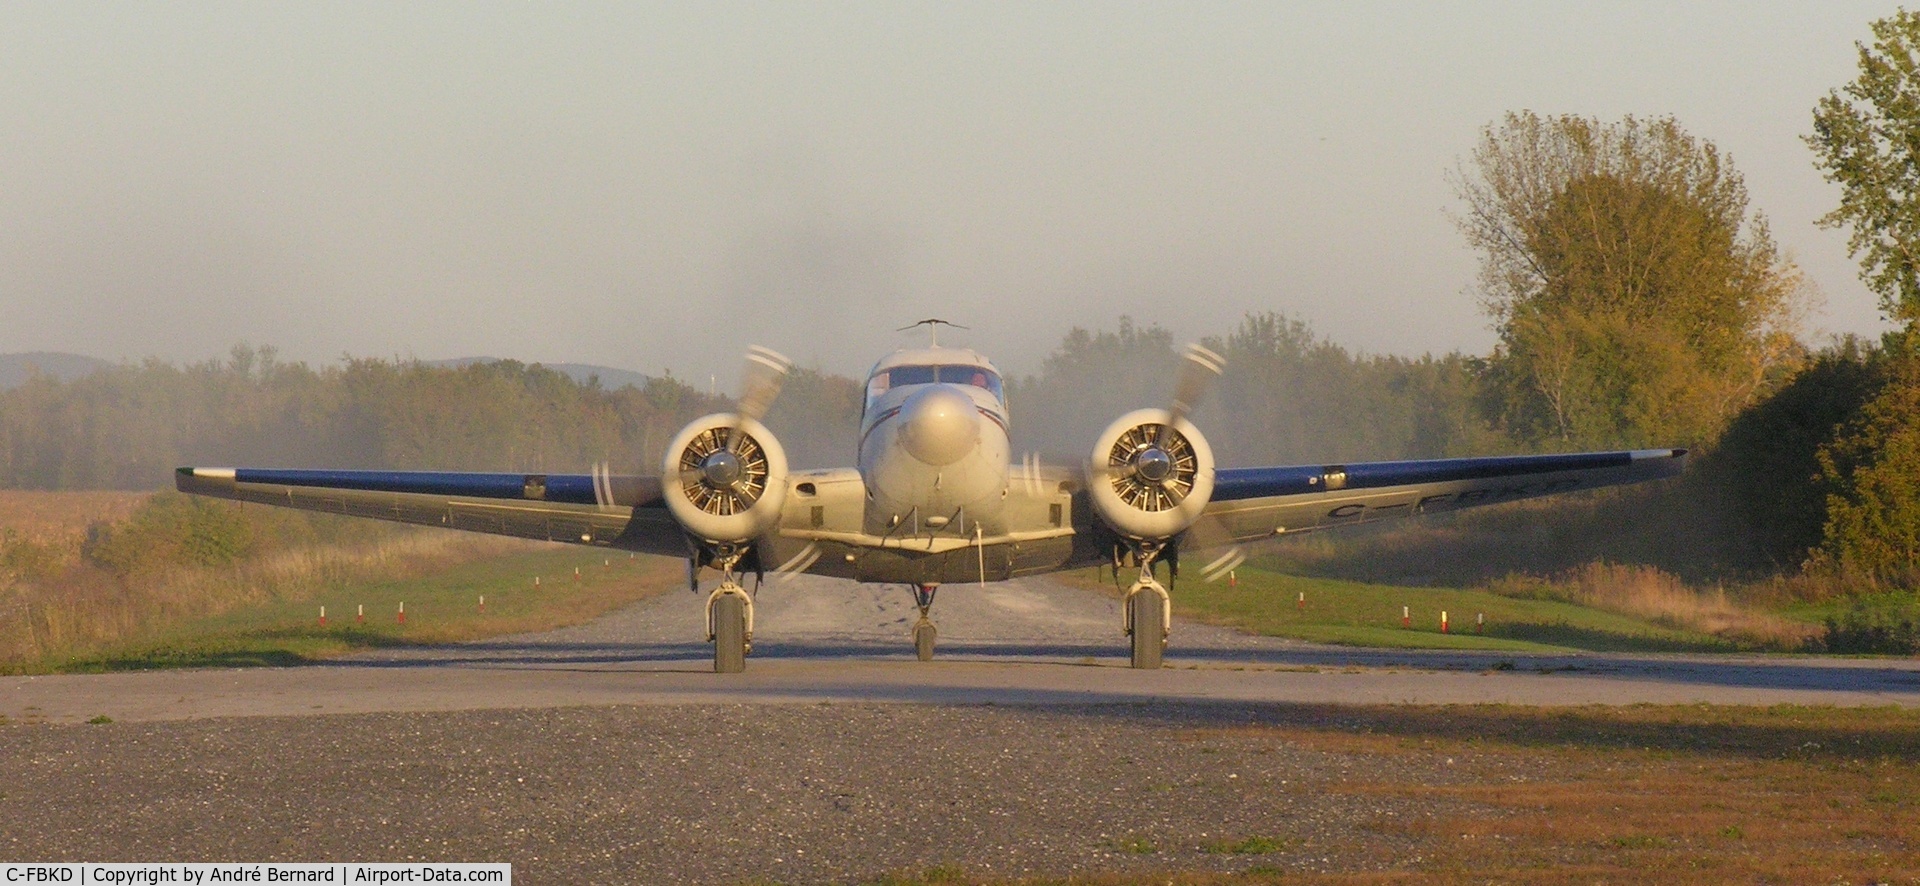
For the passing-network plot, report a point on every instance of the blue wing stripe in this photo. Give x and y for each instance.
(564, 488)
(1234, 484)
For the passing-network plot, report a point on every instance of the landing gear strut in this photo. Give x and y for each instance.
(923, 632)
(1146, 614)
(730, 619)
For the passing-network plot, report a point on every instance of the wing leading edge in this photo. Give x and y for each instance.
(627, 512)
(608, 510)
(1256, 503)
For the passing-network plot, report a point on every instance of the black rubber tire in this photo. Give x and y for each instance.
(923, 637)
(729, 634)
(1149, 633)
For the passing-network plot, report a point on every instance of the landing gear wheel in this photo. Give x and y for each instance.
(923, 635)
(1148, 616)
(729, 634)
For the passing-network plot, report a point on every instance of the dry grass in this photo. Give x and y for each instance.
(62, 516)
(60, 610)
(52, 604)
(1647, 794)
(1648, 593)
(89, 609)
(1630, 795)
(85, 609)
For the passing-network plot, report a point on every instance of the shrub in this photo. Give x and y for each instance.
(29, 559)
(1884, 624)
(170, 529)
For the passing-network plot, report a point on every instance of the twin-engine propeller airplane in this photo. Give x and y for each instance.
(935, 497)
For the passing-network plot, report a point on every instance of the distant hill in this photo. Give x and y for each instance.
(610, 378)
(15, 368)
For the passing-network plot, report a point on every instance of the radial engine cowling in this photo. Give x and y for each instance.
(725, 478)
(1151, 474)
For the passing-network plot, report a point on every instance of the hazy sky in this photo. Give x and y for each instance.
(657, 186)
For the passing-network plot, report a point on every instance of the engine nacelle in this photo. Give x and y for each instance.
(725, 478)
(1151, 475)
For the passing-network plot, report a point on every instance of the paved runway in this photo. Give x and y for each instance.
(1032, 642)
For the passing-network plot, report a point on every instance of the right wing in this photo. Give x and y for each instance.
(1255, 503)
(605, 510)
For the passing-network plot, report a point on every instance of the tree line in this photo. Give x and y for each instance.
(129, 426)
(1288, 396)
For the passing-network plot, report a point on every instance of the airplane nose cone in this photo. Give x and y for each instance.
(941, 425)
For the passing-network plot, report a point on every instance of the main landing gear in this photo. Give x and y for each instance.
(923, 631)
(1146, 615)
(730, 619)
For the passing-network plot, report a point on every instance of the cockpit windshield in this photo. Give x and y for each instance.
(975, 376)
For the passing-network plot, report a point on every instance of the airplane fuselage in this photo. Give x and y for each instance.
(934, 452)
(934, 496)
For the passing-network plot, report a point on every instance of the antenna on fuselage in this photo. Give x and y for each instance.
(933, 328)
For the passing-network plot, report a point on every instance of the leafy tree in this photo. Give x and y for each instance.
(1872, 467)
(1769, 464)
(1866, 138)
(1636, 300)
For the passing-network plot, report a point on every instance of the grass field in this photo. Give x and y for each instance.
(49, 516)
(441, 607)
(60, 612)
(1353, 613)
(266, 609)
(1644, 794)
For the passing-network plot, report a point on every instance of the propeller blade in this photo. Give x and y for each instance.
(603, 486)
(1210, 538)
(798, 564)
(760, 385)
(1199, 366)
(766, 372)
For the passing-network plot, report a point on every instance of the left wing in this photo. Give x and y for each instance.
(1249, 504)
(608, 510)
